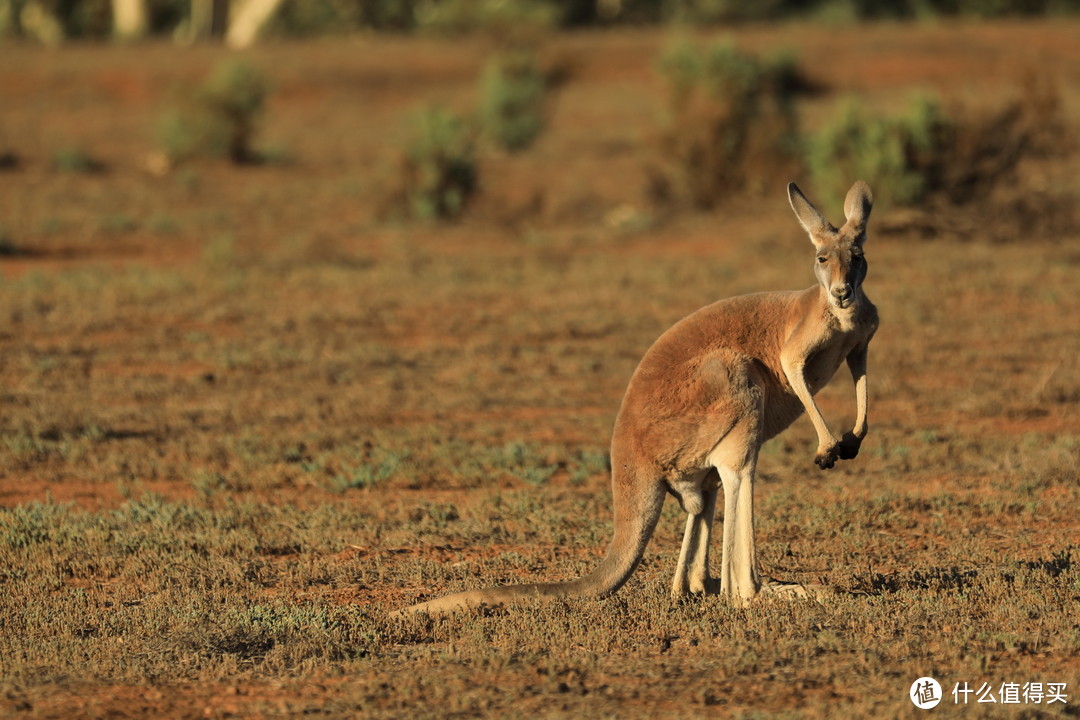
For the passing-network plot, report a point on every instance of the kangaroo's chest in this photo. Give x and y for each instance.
(848, 331)
(822, 364)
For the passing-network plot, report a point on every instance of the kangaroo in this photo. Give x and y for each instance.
(705, 397)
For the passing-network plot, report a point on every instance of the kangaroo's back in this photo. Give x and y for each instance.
(704, 373)
(747, 326)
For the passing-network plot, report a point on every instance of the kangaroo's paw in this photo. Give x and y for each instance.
(849, 446)
(826, 457)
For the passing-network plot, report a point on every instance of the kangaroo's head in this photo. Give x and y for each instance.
(840, 266)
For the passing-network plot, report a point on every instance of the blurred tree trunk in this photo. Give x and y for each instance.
(609, 9)
(208, 19)
(37, 20)
(130, 19)
(247, 20)
(9, 19)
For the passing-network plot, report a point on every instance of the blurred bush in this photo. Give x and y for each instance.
(896, 155)
(54, 20)
(218, 119)
(987, 146)
(731, 123)
(512, 92)
(329, 17)
(499, 16)
(7, 245)
(514, 24)
(856, 10)
(76, 160)
(84, 19)
(438, 170)
(709, 12)
(926, 152)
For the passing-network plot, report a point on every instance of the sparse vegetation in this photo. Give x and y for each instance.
(513, 23)
(954, 154)
(74, 160)
(220, 118)
(512, 93)
(92, 19)
(7, 245)
(439, 171)
(898, 155)
(731, 123)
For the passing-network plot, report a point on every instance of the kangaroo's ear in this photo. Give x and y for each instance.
(857, 206)
(812, 221)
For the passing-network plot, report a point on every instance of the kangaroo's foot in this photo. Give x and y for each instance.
(695, 586)
(704, 585)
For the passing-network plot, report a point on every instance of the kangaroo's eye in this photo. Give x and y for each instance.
(822, 259)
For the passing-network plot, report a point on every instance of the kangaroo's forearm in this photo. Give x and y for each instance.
(857, 363)
(861, 424)
(797, 379)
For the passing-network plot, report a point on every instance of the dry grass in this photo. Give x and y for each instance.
(241, 420)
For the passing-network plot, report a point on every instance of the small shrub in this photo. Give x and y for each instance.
(219, 119)
(515, 22)
(73, 160)
(439, 167)
(731, 125)
(986, 147)
(8, 160)
(897, 155)
(7, 245)
(323, 17)
(513, 88)
(954, 155)
(117, 223)
(708, 12)
(366, 472)
(312, 19)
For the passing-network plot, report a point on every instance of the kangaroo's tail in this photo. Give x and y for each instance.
(637, 502)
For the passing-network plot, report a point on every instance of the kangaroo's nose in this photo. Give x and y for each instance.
(842, 292)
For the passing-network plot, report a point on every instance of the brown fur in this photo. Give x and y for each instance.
(707, 394)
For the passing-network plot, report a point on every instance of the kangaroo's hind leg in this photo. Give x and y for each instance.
(696, 502)
(735, 459)
(692, 572)
(738, 564)
(700, 580)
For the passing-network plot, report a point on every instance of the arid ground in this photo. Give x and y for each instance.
(244, 415)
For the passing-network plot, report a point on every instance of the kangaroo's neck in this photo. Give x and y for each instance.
(844, 319)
